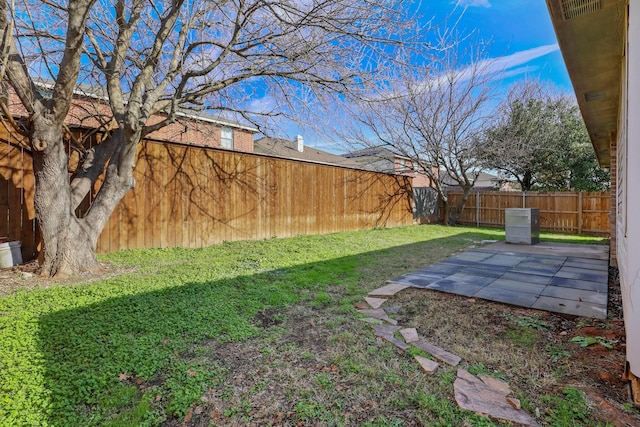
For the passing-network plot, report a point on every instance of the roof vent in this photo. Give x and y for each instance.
(595, 95)
(299, 143)
(575, 8)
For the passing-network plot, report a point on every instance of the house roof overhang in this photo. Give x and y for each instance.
(591, 37)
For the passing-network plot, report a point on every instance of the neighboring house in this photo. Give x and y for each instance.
(484, 181)
(382, 159)
(296, 149)
(600, 43)
(90, 111)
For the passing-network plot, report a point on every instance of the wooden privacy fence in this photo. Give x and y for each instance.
(565, 212)
(195, 196)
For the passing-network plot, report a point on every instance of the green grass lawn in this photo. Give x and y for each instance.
(154, 344)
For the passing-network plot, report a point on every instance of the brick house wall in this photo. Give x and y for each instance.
(203, 131)
(421, 180)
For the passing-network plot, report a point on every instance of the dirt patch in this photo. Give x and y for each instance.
(267, 318)
(26, 277)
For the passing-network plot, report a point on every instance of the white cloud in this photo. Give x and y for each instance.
(520, 70)
(263, 105)
(502, 66)
(524, 56)
(473, 3)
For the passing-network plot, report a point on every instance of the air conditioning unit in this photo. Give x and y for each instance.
(522, 225)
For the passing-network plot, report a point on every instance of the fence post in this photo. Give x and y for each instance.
(478, 209)
(579, 212)
(524, 197)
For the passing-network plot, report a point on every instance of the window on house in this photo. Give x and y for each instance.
(226, 138)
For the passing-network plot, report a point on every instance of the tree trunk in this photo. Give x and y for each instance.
(67, 246)
(447, 207)
(70, 242)
(527, 181)
(455, 214)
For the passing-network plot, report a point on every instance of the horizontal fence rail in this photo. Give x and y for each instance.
(565, 212)
(195, 196)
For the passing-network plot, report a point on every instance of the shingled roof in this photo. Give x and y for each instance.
(279, 147)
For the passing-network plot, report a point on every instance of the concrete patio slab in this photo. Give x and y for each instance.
(421, 281)
(507, 260)
(508, 296)
(566, 306)
(573, 273)
(527, 278)
(558, 277)
(518, 285)
(579, 284)
(593, 252)
(575, 294)
(604, 264)
(539, 270)
(453, 287)
(485, 272)
(459, 262)
(440, 268)
(586, 266)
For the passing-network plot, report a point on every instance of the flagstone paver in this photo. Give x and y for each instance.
(410, 335)
(437, 352)
(386, 333)
(473, 394)
(375, 302)
(378, 313)
(392, 309)
(495, 384)
(428, 366)
(388, 290)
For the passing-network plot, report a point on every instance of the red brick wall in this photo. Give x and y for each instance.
(242, 141)
(421, 180)
(93, 113)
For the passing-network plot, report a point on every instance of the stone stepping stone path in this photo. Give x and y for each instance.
(428, 366)
(375, 302)
(410, 335)
(474, 394)
(379, 313)
(388, 290)
(484, 395)
(439, 353)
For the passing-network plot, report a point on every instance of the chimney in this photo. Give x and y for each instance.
(299, 143)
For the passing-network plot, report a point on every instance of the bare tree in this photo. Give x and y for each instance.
(436, 116)
(151, 59)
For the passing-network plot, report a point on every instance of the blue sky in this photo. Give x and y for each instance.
(521, 41)
(520, 33)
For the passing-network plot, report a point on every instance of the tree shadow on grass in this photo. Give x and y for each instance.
(134, 351)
